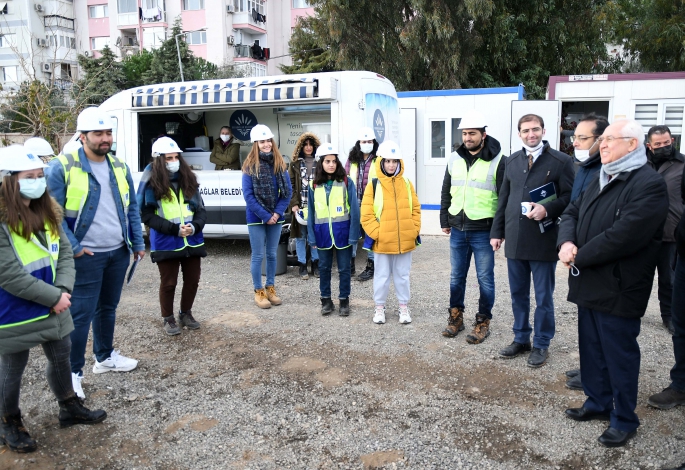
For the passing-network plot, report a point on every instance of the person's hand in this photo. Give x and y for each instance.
(274, 218)
(538, 212)
(139, 254)
(295, 208)
(85, 251)
(313, 247)
(567, 253)
(496, 243)
(63, 304)
(447, 230)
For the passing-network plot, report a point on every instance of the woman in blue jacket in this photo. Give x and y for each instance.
(333, 225)
(267, 192)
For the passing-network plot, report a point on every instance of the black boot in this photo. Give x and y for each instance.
(327, 306)
(344, 307)
(72, 411)
(303, 271)
(353, 269)
(315, 268)
(15, 436)
(367, 273)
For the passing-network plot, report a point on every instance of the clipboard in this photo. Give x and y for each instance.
(543, 194)
(132, 270)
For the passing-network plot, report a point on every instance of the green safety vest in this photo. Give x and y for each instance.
(77, 184)
(354, 171)
(332, 217)
(378, 198)
(178, 212)
(473, 190)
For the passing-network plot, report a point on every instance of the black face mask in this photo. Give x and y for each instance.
(663, 153)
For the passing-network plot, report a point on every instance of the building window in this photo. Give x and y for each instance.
(193, 4)
(9, 74)
(8, 40)
(97, 44)
(153, 37)
(127, 6)
(52, 41)
(249, 5)
(438, 139)
(61, 41)
(72, 43)
(98, 11)
(197, 37)
(301, 4)
(668, 113)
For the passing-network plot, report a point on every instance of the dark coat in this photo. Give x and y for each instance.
(523, 239)
(491, 149)
(225, 157)
(294, 171)
(584, 174)
(618, 234)
(672, 171)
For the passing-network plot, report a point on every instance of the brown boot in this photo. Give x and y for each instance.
(260, 299)
(271, 295)
(481, 330)
(455, 322)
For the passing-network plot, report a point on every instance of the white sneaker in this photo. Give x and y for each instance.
(115, 363)
(404, 315)
(379, 315)
(76, 384)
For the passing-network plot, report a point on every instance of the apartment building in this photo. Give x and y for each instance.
(246, 32)
(38, 40)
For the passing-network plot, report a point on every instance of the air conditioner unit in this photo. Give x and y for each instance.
(87, 53)
(42, 42)
(38, 7)
(46, 67)
(230, 40)
(230, 8)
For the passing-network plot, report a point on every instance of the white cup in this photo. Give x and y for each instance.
(526, 207)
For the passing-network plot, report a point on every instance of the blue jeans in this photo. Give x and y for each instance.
(610, 361)
(99, 280)
(263, 237)
(543, 283)
(678, 319)
(463, 244)
(301, 248)
(326, 263)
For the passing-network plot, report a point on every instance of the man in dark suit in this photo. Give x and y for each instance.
(610, 238)
(531, 237)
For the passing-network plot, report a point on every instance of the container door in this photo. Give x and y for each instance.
(550, 111)
(408, 142)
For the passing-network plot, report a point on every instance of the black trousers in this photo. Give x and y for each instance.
(664, 269)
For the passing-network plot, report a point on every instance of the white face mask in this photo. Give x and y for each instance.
(31, 188)
(366, 148)
(173, 166)
(581, 155)
(225, 137)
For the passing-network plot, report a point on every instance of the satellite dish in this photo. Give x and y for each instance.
(192, 117)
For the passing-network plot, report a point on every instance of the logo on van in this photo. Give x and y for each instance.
(379, 126)
(242, 121)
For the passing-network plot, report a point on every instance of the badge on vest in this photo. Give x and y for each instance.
(339, 209)
(54, 248)
(188, 207)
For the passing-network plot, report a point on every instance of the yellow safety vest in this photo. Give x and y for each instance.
(354, 171)
(332, 217)
(178, 212)
(378, 198)
(473, 190)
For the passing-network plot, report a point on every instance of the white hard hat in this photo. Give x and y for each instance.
(390, 150)
(38, 146)
(326, 148)
(165, 145)
(366, 133)
(92, 119)
(301, 216)
(260, 132)
(17, 158)
(472, 120)
(72, 146)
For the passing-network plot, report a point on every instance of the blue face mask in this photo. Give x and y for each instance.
(173, 167)
(32, 188)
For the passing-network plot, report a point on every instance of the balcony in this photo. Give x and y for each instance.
(243, 51)
(127, 19)
(57, 21)
(249, 21)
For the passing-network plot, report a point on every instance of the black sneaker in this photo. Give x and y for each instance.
(367, 273)
(303, 271)
(186, 319)
(667, 399)
(170, 326)
(327, 306)
(537, 358)
(514, 349)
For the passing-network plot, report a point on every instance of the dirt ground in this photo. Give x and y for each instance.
(287, 388)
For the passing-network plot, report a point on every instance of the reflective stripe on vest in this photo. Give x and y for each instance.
(175, 211)
(41, 263)
(378, 199)
(77, 184)
(332, 218)
(473, 190)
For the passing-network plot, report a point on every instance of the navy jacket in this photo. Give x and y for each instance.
(584, 174)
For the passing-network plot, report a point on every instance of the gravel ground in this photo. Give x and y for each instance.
(287, 388)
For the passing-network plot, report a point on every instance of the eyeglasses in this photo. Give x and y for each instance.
(581, 138)
(610, 138)
(534, 130)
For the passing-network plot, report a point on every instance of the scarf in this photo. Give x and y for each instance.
(306, 178)
(263, 182)
(629, 162)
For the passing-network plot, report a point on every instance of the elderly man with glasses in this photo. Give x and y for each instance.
(610, 237)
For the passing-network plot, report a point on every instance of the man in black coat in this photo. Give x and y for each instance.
(531, 237)
(610, 238)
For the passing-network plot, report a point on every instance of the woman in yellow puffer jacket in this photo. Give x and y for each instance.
(391, 218)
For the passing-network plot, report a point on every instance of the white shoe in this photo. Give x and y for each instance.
(404, 315)
(76, 384)
(115, 363)
(379, 315)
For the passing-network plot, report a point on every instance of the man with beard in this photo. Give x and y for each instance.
(102, 222)
(467, 206)
(663, 157)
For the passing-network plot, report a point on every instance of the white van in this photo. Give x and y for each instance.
(333, 105)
